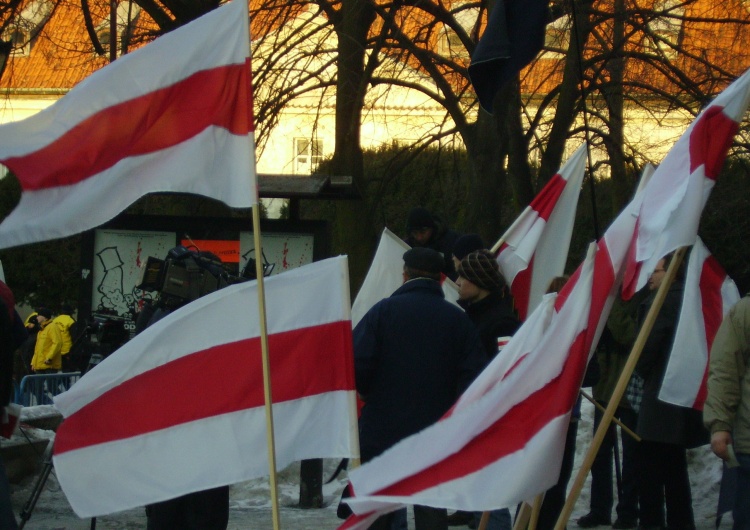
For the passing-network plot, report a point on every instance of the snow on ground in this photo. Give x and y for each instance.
(250, 505)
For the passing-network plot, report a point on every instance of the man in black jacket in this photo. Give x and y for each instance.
(414, 353)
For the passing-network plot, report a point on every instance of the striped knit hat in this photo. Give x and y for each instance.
(481, 269)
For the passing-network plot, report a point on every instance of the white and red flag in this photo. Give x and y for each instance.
(535, 247)
(180, 408)
(385, 275)
(511, 421)
(173, 116)
(680, 186)
(708, 296)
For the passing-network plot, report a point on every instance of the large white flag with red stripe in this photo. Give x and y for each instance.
(386, 275)
(708, 296)
(173, 116)
(680, 186)
(535, 247)
(180, 407)
(511, 421)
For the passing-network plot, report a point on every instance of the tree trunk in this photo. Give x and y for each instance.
(570, 94)
(353, 233)
(622, 188)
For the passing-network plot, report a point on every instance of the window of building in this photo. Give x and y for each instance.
(665, 29)
(20, 42)
(127, 17)
(308, 153)
(557, 36)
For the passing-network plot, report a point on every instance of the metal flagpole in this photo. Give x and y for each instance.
(266, 369)
(619, 390)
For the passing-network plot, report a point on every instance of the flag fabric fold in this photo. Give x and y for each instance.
(680, 186)
(708, 296)
(514, 35)
(173, 116)
(180, 408)
(535, 247)
(385, 275)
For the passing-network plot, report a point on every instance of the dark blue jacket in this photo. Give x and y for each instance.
(414, 353)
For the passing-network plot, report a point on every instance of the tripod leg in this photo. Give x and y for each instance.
(28, 508)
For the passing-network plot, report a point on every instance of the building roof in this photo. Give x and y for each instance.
(61, 54)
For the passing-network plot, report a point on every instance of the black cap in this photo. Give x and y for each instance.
(467, 244)
(419, 218)
(43, 311)
(424, 259)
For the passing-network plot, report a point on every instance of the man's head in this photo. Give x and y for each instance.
(420, 225)
(43, 315)
(657, 276)
(465, 245)
(478, 275)
(420, 262)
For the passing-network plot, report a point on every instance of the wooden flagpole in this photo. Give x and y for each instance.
(266, 369)
(619, 390)
(536, 509)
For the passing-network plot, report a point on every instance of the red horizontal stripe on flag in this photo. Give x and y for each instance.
(510, 433)
(223, 379)
(218, 97)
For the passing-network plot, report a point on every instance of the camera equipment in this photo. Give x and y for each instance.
(105, 334)
(249, 271)
(47, 467)
(185, 275)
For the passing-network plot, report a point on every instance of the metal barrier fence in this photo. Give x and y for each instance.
(39, 389)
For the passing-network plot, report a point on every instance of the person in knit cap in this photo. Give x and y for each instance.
(482, 292)
(424, 229)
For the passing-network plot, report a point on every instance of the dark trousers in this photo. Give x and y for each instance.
(202, 510)
(7, 518)
(663, 480)
(741, 510)
(425, 518)
(601, 470)
(554, 499)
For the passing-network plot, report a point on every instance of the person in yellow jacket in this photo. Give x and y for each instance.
(47, 352)
(64, 321)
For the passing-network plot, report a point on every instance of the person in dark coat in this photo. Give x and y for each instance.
(12, 335)
(424, 229)
(666, 430)
(414, 353)
(483, 293)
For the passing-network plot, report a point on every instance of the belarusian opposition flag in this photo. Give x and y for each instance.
(708, 296)
(180, 408)
(535, 247)
(173, 116)
(502, 442)
(680, 186)
(385, 275)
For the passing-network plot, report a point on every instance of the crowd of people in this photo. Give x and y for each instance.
(415, 353)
